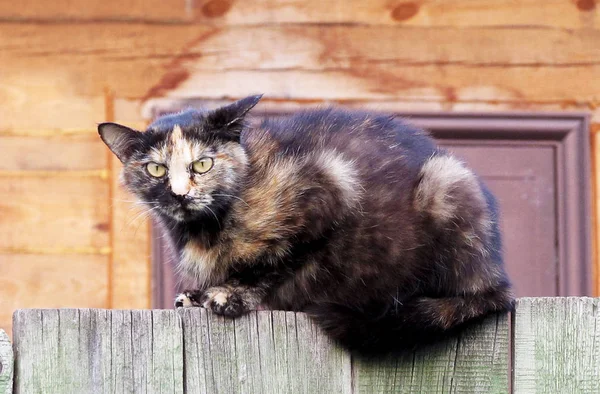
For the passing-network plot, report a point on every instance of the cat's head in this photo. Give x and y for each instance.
(186, 166)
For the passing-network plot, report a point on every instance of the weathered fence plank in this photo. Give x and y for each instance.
(6, 364)
(557, 346)
(263, 352)
(90, 351)
(556, 350)
(475, 362)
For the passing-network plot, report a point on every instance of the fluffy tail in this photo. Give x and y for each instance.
(403, 326)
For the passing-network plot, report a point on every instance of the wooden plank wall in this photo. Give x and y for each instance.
(65, 232)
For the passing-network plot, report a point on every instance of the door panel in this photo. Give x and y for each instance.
(523, 180)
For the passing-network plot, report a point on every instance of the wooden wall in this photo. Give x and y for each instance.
(68, 235)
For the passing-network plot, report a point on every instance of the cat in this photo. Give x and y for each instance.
(356, 218)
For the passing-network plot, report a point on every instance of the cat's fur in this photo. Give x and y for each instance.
(355, 218)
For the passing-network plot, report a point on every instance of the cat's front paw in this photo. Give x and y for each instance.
(224, 301)
(187, 299)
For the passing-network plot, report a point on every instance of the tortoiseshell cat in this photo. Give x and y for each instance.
(355, 218)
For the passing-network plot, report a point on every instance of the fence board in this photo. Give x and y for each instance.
(80, 351)
(557, 345)
(263, 352)
(475, 362)
(6, 364)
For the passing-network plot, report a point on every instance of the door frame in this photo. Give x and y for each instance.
(569, 133)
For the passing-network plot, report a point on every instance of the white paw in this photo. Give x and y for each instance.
(217, 297)
(183, 301)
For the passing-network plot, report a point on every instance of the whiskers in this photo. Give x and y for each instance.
(143, 212)
(215, 215)
(232, 196)
(144, 215)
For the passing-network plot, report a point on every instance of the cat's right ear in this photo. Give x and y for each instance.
(121, 140)
(228, 121)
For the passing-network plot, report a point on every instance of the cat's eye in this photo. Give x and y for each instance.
(203, 165)
(156, 170)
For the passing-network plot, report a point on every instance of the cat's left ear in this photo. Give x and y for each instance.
(121, 140)
(228, 121)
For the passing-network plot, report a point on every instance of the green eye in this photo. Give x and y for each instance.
(203, 165)
(156, 170)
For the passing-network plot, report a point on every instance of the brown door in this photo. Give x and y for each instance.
(522, 179)
(537, 165)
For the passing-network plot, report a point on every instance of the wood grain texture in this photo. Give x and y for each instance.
(196, 351)
(333, 62)
(58, 351)
(313, 47)
(36, 211)
(49, 94)
(52, 153)
(464, 13)
(595, 185)
(131, 266)
(130, 258)
(556, 342)
(426, 83)
(263, 352)
(595, 189)
(475, 362)
(51, 281)
(6, 364)
(97, 11)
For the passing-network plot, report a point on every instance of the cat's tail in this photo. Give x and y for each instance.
(403, 326)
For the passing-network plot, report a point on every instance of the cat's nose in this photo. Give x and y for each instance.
(180, 183)
(180, 187)
(178, 197)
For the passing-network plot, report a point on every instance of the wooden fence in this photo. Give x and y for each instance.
(550, 345)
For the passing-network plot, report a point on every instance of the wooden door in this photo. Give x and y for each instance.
(538, 167)
(522, 177)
